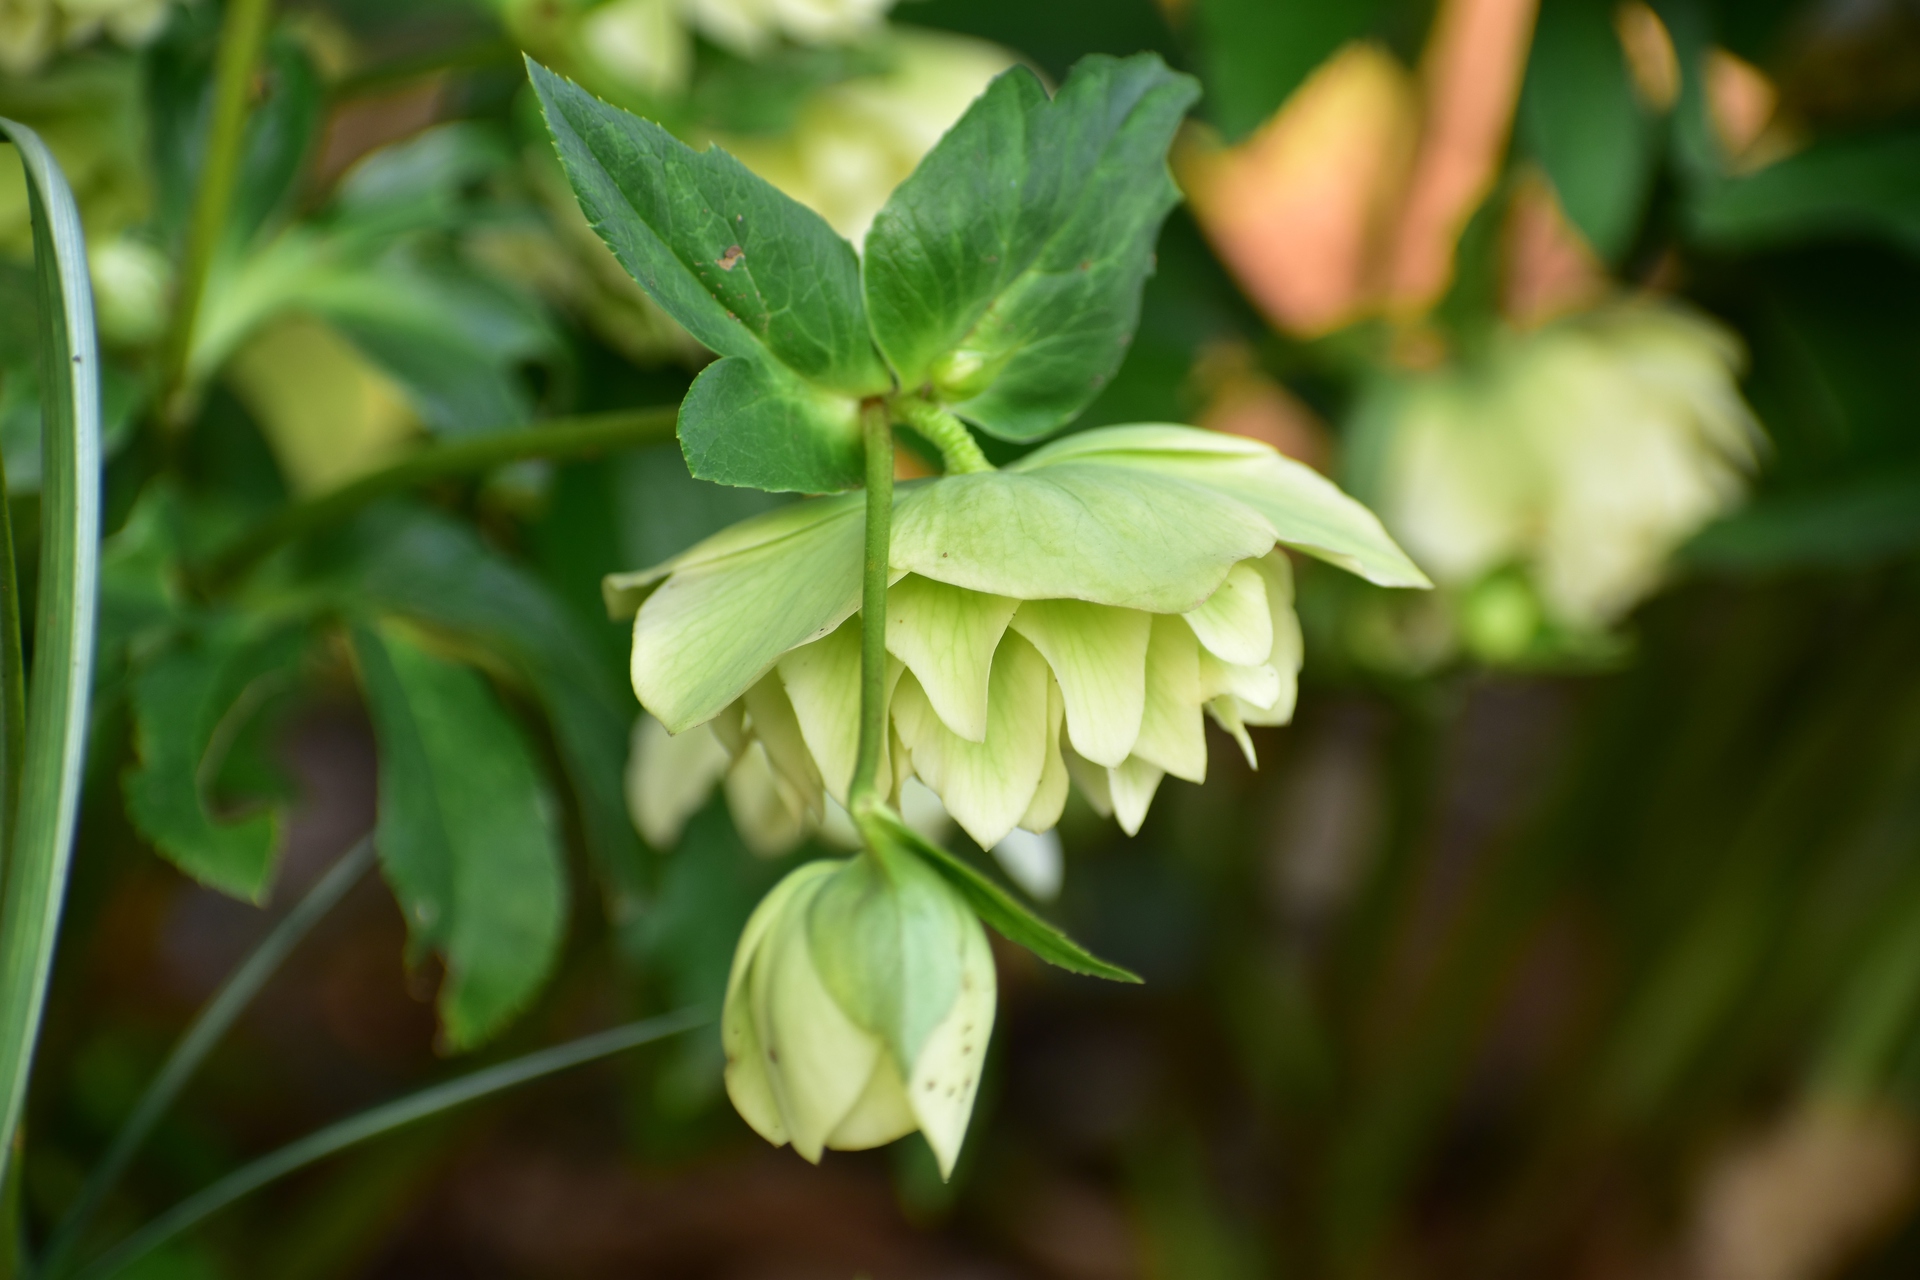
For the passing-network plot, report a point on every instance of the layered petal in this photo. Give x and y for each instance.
(822, 682)
(1099, 656)
(987, 786)
(1300, 507)
(669, 777)
(946, 1075)
(749, 1084)
(731, 606)
(1173, 736)
(818, 1061)
(947, 636)
(1107, 534)
(1235, 623)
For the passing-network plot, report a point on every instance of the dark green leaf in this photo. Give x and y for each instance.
(190, 704)
(1006, 271)
(1864, 186)
(1256, 52)
(750, 421)
(1841, 526)
(751, 273)
(466, 833)
(1006, 916)
(1581, 121)
(439, 573)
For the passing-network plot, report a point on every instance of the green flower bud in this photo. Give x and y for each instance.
(858, 1008)
(1074, 616)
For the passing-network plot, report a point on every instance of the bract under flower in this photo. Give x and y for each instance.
(1078, 611)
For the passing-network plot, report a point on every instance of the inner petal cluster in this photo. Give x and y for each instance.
(996, 703)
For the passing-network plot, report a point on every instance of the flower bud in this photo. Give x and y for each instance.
(858, 1009)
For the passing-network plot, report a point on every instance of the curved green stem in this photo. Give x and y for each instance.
(959, 452)
(207, 1030)
(243, 31)
(865, 793)
(376, 1121)
(562, 438)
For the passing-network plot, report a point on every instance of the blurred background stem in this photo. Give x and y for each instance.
(243, 31)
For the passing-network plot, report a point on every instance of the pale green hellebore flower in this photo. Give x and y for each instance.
(1073, 615)
(1583, 453)
(858, 1009)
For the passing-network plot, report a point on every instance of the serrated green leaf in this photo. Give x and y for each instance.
(1004, 913)
(1006, 271)
(750, 272)
(465, 833)
(749, 421)
(440, 573)
(189, 702)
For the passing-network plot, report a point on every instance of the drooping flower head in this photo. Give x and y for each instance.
(858, 1009)
(1074, 616)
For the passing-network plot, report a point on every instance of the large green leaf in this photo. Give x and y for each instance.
(1006, 271)
(440, 573)
(1856, 186)
(1581, 121)
(466, 832)
(190, 703)
(757, 277)
(39, 843)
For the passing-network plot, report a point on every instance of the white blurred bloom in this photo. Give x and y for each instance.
(1584, 452)
(1032, 860)
(855, 141)
(130, 283)
(31, 30)
(1077, 615)
(27, 34)
(643, 43)
(749, 26)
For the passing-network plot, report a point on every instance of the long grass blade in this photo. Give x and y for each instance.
(379, 1120)
(207, 1030)
(41, 835)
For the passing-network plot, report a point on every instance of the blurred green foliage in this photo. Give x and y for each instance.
(1578, 960)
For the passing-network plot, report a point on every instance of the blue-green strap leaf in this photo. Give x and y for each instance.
(41, 835)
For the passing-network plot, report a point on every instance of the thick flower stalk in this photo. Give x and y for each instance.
(858, 1009)
(1075, 616)
(1582, 454)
